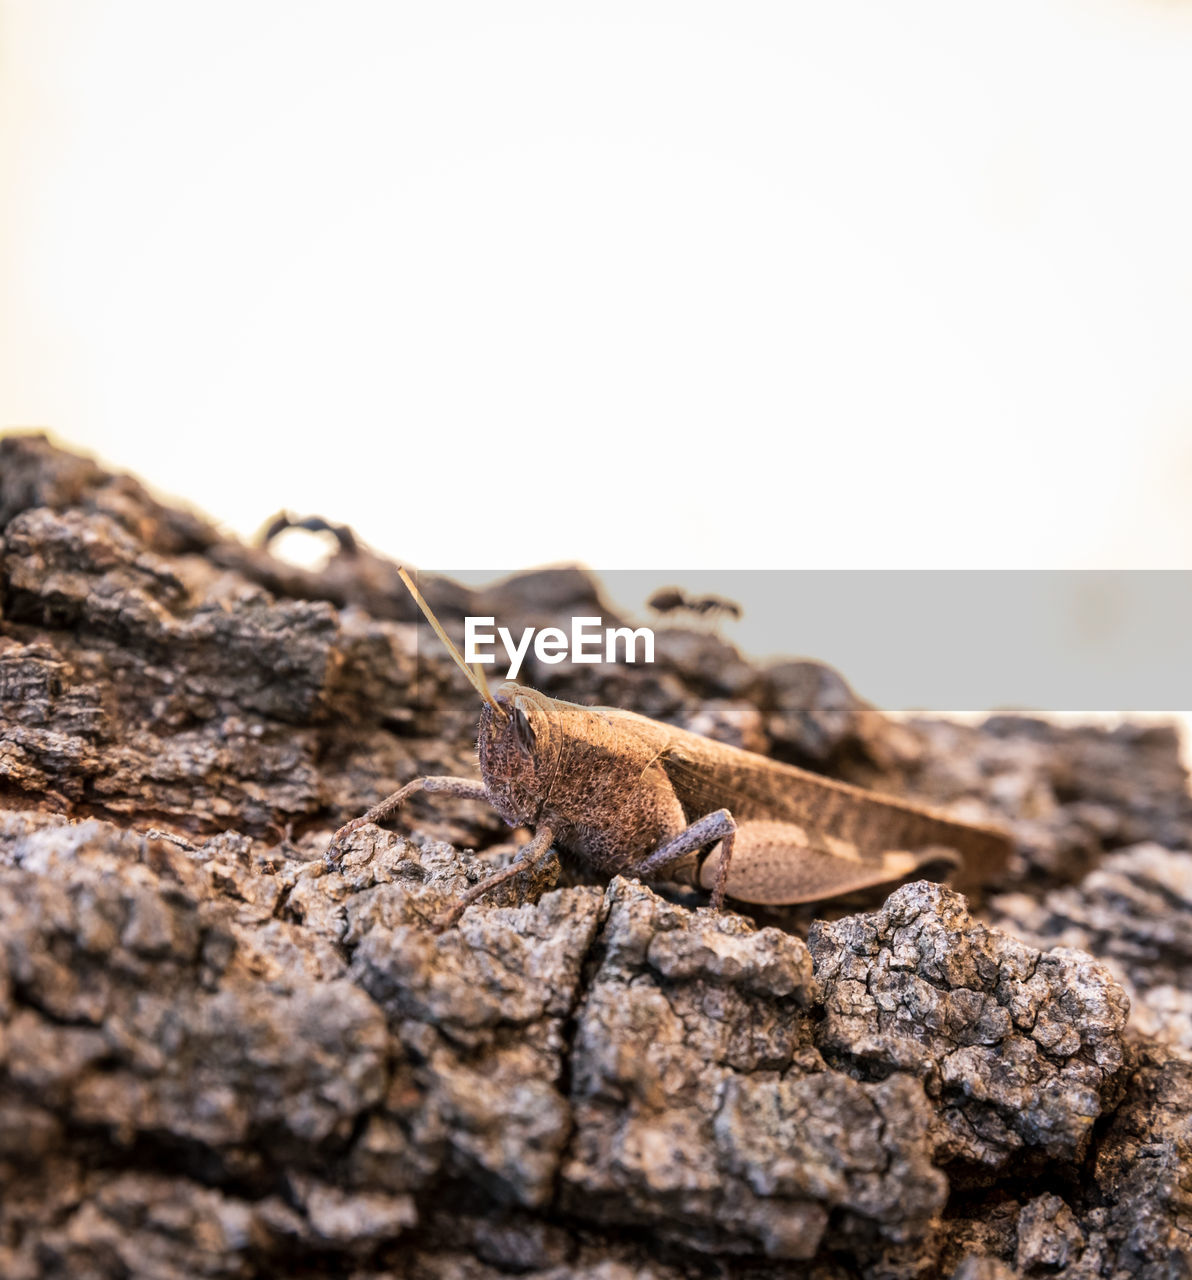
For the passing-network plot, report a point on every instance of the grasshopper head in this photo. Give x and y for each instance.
(519, 746)
(520, 737)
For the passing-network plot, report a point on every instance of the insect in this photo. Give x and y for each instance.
(673, 599)
(632, 796)
(314, 524)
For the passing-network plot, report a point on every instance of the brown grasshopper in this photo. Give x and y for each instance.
(632, 796)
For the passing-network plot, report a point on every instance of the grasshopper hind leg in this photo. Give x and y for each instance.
(719, 825)
(775, 864)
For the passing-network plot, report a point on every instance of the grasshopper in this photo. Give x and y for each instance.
(632, 796)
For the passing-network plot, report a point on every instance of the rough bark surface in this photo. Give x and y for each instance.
(221, 1057)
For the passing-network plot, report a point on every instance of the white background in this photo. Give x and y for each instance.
(683, 285)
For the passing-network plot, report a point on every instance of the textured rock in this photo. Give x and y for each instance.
(1068, 793)
(1140, 1220)
(1048, 1237)
(1021, 1049)
(817, 721)
(1133, 910)
(219, 1057)
(692, 1054)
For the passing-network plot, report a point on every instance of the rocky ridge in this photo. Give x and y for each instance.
(223, 1057)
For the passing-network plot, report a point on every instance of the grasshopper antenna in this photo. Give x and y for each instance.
(482, 680)
(475, 675)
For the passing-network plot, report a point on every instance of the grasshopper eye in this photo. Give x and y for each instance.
(523, 731)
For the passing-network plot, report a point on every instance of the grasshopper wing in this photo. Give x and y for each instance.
(804, 837)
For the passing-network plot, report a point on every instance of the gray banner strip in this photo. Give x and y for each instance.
(954, 641)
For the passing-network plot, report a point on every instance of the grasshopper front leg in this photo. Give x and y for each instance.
(467, 788)
(526, 857)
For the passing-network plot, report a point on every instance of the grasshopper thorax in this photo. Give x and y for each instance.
(519, 746)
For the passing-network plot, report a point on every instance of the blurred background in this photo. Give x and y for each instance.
(769, 285)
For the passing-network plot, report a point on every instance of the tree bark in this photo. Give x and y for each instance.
(222, 1056)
